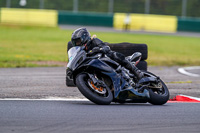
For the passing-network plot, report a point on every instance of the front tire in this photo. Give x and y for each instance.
(88, 91)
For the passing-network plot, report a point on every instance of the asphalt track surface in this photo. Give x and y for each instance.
(36, 116)
(110, 29)
(46, 82)
(86, 117)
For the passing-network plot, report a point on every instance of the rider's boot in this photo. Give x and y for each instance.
(133, 69)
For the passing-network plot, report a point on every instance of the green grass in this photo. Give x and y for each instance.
(163, 50)
(21, 46)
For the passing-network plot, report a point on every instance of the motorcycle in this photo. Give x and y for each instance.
(102, 80)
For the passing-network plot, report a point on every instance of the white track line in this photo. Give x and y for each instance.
(183, 70)
(44, 99)
(68, 99)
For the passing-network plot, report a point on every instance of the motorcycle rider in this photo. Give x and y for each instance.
(82, 37)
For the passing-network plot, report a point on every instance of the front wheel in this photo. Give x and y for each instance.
(99, 95)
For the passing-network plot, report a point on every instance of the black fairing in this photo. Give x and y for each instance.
(110, 62)
(105, 67)
(102, 68)
(118, 81)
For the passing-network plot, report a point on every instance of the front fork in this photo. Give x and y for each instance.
(96, 81)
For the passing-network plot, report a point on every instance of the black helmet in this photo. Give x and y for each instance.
(80, 37)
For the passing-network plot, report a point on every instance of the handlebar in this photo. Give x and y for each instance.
(94, 56)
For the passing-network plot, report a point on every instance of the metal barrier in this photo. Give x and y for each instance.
(122, 21)
(92, 19)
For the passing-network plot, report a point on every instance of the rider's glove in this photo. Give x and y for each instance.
(96, 50)
(104, 50)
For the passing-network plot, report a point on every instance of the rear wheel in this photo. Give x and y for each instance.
(159, 93)
(159, 96)
(99, 95)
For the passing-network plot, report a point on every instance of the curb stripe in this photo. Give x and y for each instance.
(184, 98)
(183, 71)
(176, 99)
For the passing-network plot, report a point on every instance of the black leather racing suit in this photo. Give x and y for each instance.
(96, 43)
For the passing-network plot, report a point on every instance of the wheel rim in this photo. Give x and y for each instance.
(99, 90)
(158, 88)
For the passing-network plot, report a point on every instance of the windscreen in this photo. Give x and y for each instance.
(72, 53)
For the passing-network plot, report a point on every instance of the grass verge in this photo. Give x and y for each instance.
(22, 46)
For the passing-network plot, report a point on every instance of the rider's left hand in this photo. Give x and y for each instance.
(96, 50)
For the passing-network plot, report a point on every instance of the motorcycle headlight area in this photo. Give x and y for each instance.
(74, 62)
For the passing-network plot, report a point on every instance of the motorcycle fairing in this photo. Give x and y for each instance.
(75, 62)
(118, 81)
(100, 66)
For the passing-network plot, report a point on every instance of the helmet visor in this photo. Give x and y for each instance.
(77, 42)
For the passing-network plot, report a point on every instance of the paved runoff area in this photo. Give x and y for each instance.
(49, 82)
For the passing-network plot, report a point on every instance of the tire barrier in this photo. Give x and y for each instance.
(69, 45)
(69, 82)
(129, 48)
(142, 65)
(125, 48)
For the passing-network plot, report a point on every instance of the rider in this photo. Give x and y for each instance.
(81, 37)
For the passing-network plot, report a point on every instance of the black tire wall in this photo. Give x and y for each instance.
(129, 48)
(69, 45)
(142, 65)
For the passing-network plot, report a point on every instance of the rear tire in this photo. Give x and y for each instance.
(159, 99)
(86, 90)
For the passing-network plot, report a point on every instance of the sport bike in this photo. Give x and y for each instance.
(102, 80)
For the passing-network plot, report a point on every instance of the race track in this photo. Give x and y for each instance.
(85, 117)
(49, 111)
(47, 82)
